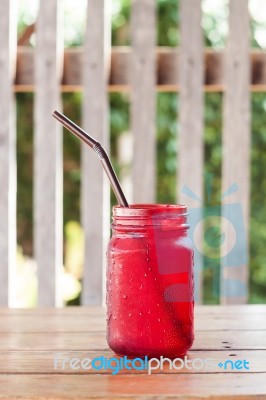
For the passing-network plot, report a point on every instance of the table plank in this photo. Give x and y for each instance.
(204, 340)
(100, 310)
(54, 362)
(86, 321)
(80, 310)
(174, 386)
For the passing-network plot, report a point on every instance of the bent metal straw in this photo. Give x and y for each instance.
(96, 146)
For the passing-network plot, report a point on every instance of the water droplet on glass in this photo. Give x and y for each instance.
(124, 296)
(140, 313)
(159, 319)
(145, 274)
(130, 314)
(140, 286)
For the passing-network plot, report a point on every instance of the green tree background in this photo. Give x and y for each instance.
(167, 145)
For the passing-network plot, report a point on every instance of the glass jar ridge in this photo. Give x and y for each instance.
(151, 214)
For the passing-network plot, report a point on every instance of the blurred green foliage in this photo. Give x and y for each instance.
(167, 147)
(25, 170)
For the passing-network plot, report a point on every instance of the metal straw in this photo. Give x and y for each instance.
(90, 141)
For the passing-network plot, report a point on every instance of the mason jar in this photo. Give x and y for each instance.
(150, 281)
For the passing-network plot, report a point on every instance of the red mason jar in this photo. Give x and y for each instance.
(150, 282)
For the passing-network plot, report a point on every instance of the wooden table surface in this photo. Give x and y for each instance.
(30, 341)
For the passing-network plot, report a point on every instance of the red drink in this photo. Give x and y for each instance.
(150, 282)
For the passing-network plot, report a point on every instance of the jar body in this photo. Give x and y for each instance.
(150, 284)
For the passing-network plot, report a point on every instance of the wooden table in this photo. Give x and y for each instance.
(31, 339)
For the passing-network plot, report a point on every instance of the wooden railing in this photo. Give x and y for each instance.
(142, 70)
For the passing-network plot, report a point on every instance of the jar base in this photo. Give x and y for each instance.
(131, 357)
(171, 354)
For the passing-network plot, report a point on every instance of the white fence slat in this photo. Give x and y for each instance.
(236, 154)
(48, 153)
(191, 100)
(95, 188)
(143, 105)
(7, 152)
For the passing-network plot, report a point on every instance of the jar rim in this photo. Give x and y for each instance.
(149, 210)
